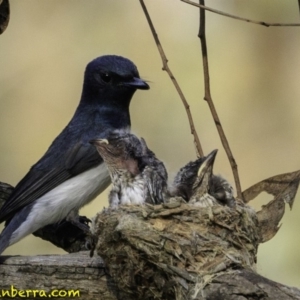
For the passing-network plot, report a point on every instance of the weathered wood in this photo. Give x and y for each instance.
(78, 271)
(245, 284)
(62, 272)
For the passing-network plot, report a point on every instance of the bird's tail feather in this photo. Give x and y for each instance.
(4, 239)
(7, 237)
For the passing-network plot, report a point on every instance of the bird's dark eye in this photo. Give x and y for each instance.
(105, 77)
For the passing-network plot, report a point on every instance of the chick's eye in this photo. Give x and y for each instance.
(105, 77)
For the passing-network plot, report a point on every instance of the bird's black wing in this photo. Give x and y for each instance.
(154, 172)
(39, 181)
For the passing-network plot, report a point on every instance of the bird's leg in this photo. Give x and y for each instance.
(82, 223)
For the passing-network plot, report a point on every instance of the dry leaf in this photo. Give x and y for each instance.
(4, 15)
(284, 188)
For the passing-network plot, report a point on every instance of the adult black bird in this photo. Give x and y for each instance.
(137, 176)
(72, 173)
(196, 183)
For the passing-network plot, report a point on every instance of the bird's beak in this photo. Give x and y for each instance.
(99, 142)
(103, 141)
(206, 167)
(137, 83)
(205, 172)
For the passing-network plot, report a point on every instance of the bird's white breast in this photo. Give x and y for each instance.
(57, 203)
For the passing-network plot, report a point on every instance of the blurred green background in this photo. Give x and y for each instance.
(254, 80)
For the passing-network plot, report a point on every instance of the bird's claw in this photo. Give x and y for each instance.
(84, 220)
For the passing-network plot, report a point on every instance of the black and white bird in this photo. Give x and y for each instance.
(137, 176)
(72, 173)
(196, 184)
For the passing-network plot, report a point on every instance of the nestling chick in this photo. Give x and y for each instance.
(196, 183)
(137, 175)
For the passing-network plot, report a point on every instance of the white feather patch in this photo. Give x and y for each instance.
(57, 203)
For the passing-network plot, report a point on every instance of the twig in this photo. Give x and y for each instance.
(239, 18)
(210, 103)
(299, 5)
(166, 68)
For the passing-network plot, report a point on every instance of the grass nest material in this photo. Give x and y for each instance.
(158, 252)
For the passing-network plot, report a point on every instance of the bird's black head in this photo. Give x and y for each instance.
(111, 79)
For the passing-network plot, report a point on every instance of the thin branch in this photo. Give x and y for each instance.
(299, 5)
(210, 103)
(166, 68)
(239, 18)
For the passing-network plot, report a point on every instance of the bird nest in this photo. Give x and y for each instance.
(158, 251)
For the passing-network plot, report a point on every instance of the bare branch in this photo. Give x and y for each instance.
(239, 18)
(210, 103)
(166, 68)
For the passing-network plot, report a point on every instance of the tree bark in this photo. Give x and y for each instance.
(78, 271)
